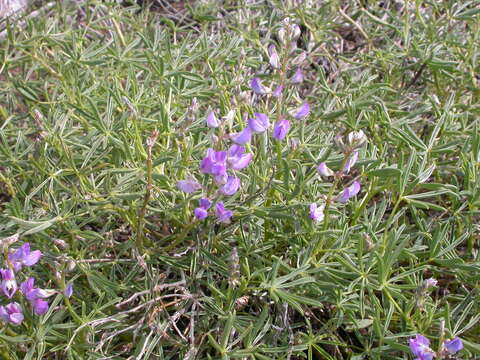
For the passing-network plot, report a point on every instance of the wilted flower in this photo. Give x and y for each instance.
(222, 214)
(259, 123)
(356, 139)
(257, 86)
(237, 159)
(429, 283)
(274, 59)
(231, 187)
(23, 257)
(68, 292)
(324, 170)
(316, 212)
(453, 346)
(278, 91)
(190, 185)
(212, 121)
(350, 162)
(302, 112)
(8, 285)
(12, 313)
(280, 129)
(214, 162)
(420, 347)
(349, 192)
(242, 137)
(297, 78)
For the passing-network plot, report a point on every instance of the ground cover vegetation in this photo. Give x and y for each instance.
(240, 180)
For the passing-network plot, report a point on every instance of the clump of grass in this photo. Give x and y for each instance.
(102, 111)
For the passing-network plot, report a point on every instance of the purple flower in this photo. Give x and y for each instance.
(278, 91)
(316, 212)
(201, 211)
(236, 157)
(257, 86)
(231, 187)
(453, 346)
(190, 185)
(30, 292)
(274, 59)
(324, 170)
(302, 112)
(242, 137)
(8, 285)
(280, 129)
(259, 123)
(420, 348)
(350, 162)
(40, 306)
(223, 215)
(212, 121)
(23, 257)
(297, 78)
(349, 192)
(214, 163)
(12, 313)
(68, 292)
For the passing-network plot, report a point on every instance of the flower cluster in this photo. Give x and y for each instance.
(355, 140)
(16, 260)
(221, 164)
(420, 347)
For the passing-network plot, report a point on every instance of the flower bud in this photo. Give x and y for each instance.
(356, 139)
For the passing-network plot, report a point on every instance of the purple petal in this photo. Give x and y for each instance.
(349, 192)
(68, 292)
(212, 121)
(420, 348)
(297, 78)
(16, 318)
(324, 170)
(278, 91)
(280, 129)
(32, 258)
(236, 159)
(231, 187)
(350, 162)
(223, 215)
(243, 137)
(205, 203)
(189, 186)
(259, 124)
(200, 213)
(40, 306)
(302, 112)
(316, 213)
(453, 346)
(257, 86)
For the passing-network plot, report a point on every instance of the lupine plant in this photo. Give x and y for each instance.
(240, 180)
